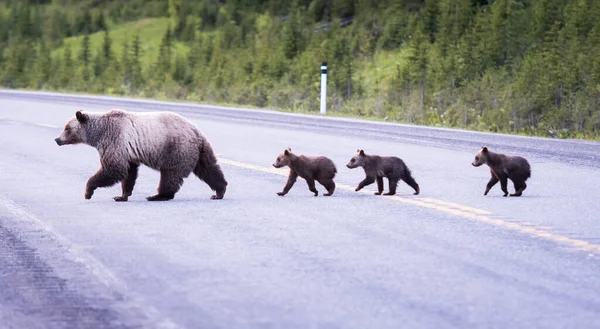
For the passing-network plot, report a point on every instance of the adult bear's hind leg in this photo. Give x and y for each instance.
(170, 183)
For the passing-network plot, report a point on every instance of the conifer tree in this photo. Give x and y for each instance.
(418, 63)
(85, 50)
(107, 47)
(125, 62)
(291, 33)
(165, 52)
(43, 67)
(136, 67)
(67, 69)
(100, 22)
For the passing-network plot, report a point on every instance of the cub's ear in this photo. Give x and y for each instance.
(484, 149)
(362, 152)
(287, 152)
(81, 117)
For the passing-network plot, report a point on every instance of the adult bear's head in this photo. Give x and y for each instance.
(75, 130)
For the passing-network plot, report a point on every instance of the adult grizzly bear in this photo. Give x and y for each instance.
(163, 141)
(503, 167)
(376, 167)
(310, 168)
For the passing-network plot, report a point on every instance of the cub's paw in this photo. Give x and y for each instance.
(280, 193)
(219, 194)
(377, 193)
(121, 198)
(357, 189)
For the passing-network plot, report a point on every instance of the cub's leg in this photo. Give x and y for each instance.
(379, 185)
(491, 184)
(311, 186)
(329, 184)
(519, 188)
(290, 182)
(393, 183)
(504, 184)
(367, 181)
(412, 183)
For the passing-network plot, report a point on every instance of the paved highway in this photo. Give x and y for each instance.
(447, 258)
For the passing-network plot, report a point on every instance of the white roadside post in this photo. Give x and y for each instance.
(323, 87)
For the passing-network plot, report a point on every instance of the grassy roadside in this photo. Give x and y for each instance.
(329, 113)
(150, 31)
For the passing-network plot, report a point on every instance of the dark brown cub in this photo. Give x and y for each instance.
(311, 168)
(502, 168)
(377, 167)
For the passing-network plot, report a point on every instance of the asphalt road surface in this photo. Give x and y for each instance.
(447, 258)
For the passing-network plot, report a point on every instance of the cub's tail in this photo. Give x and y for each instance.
(208, 170)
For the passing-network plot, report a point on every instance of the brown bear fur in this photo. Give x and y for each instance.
(311, 168)
(503, 167)
(377, 167)
(163, 141)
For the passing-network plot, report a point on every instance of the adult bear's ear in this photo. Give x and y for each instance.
(81, 117)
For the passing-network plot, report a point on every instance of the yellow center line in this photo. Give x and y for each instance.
(479, 215)
(457, 206)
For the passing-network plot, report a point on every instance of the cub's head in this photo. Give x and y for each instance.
(74, 131)
(358, 160)
(481, 157)
(283, 159)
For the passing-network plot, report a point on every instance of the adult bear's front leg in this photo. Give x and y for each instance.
(105, 177)
(128, 183)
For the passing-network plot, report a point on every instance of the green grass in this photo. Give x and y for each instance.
(150, 30)
(383, 69)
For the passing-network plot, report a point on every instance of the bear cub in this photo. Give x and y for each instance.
(503, 167)
(311, 168)
(377, 167)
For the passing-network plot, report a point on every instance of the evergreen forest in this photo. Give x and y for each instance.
(529, 67)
